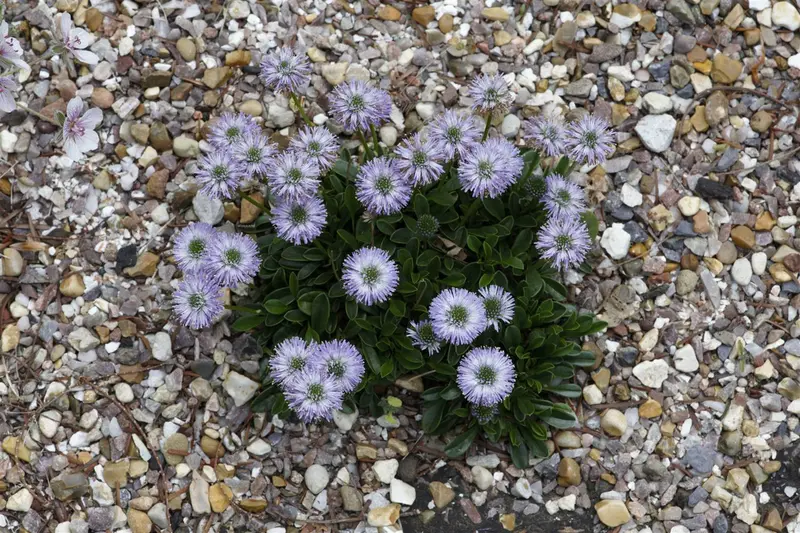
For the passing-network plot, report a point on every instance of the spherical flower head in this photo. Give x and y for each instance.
(486, 376)
(340, 360)
(357, 106)
(381, 187)
(299, 221)
(314, 396)
(418, 159)
(370, 276)
(458, 316)
(219, 174)
(291, 359)
(317, 144)
(233, 259)
(484, 414)
(254, 152)
(490, 93)
(490, 169)
(589, 140)
(535, 187)
(546, 134)
(564, 241)
(498, 304)
(456, 133)
(293, 176)
(423, 336)
(230, 128)
(563, 198)
(198, 300)
(427, 226)
(192, 246)
(286, 69)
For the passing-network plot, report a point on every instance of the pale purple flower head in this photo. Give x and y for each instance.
(75, 40)
(198, 300)
(490, 168)
(233, 259)
(286, 69)
(293, 176)
(564, 241)
(589, 140)
(78, 129)
(369, 275)
(230, 128)
(486, 376)
(314, 396)
(490, 93)
(299, 221)
(546, 134)
(456, 133)
(563, 198)
(254, 152)
(419, 160)
(357, 105)
(192, 246)
(381, 187)
(291, 359)
(458, 316)
(317, 144)
(7, 88)
(423, 336)
(10, 50)
(498, 304)
(219, 174)
(341, 361)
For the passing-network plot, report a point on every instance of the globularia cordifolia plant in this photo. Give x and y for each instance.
(438, 260)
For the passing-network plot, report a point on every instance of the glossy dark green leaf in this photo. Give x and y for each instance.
(246, 323)
(320, 311)
(459, 445)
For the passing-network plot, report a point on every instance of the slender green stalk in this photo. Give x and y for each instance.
(367, 149)
(255, 202)
(299, 105)
(37, 114)
(378, 149)
(329, 256)
(488, 125)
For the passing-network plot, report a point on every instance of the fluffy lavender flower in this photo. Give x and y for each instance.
(292, 357)
(484, 413)
(357, 105)
(286, 70)
(564, 241)
(253, 151)
(456, 133)
(381, 188)
(589, 140)
(75, 40)
(7, 88)
(314, 395)
(498, 304)
(486, 376)
(318, 144)
(369, 275)
(192, 245)
(78, 129)
(230, 128)
(458, 316)
(198, 300)
(340, 360)
(563, 198)
(233, 259)
(299, 221)
(423, 336)
(10, 50)
(490, 169)
(293, 176)
(219, 174)
(546, 134)
(490, 93)
(419, 158)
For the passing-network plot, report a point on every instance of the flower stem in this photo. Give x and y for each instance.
(299, 105)
(488, 125)
(255, 202)
(327, 252)
(37, 114)
(367, 150)
(375, 142)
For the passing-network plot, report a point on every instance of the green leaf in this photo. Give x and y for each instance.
(561, 417)
(246, 323)
(459, 445)
(567, 390)
(347, 237)
(495, 207)
(275, 307)
(519, 455)
(320, 311)
(591, 223)
(432, 416)
(451, 392)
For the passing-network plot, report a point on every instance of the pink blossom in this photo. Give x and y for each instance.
(75, 40)
(10, 50)
(7, 87)
(79, 134)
